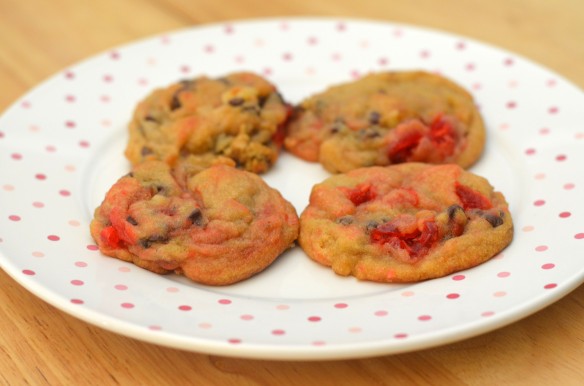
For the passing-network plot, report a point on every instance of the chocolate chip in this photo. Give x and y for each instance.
(371, 225)
(175, 102)
(374, 117)
(494, 220)
(196, 217)
(147, 243)
(131, 220)
(369, 133)
(236, 101)
(225, 81)
(160, 189)
(452, 209)
(262, 99)
(345, 220)
(150, 118)
(146, 151)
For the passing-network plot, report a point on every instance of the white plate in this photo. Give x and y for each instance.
(61, 149)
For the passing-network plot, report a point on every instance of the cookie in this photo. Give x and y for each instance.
(387, 118)
(219, 227)
(238, 119)
(404, 223)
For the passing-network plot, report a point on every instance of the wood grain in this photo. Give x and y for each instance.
(41, 345)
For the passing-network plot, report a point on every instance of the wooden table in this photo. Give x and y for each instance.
(41, 345)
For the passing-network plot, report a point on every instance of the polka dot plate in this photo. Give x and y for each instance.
(61, 148)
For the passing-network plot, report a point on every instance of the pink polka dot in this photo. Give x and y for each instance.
(569, 186)
(458, 277)
(380, 313)
(84, 144)
(278, 332)
(121, 287)
(530, 151)
(407, 293)
(499, 294)
(314, 319)
(508, 62)
(40, 176)
(383, 61)
(511, 104)
(53, 237)
(503, 274)
(185, 69)
(92, 247)
(155, 327)
(185, 308)
(209, 49)
(355, 330)
(579, 236)
(550, 286)
(205, 326)
(70, 168)
(1, 135)
(527, 228)
(80, 264)
(486, 314)
(70, 124)
(544, 131)
(8, 188)
(548, 266)
(14, 217)
(565, 214)
(452, 296)
(38, 254)
(172, 290)
(541, 248)
(319, 343)
(539, 202)
(28, 272)
(561, 157)
(400, 335)
(127, 305)
(74, 223)
(287, 56)
(234, 341)
(539, 176)
(246, 317)
(228, 29)
(16, 156)
(424, 54)
(64, 193)
(77, 301)
(77, 282)
(282, 307)
(424, 318)
(108, 78)
(341, 305)
(224, 301)
(70, 98)
(125, 269)
(37, 204)
(553, 110)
